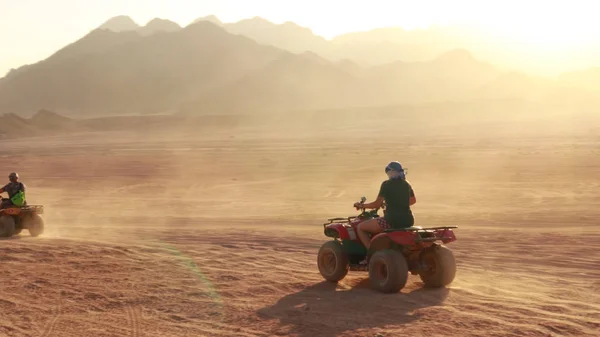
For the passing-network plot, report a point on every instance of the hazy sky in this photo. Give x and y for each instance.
(31, 30)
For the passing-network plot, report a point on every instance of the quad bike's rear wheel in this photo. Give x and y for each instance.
(332, 261)
(35, 225)
(7, 226)
(388, 271)
(439, 266)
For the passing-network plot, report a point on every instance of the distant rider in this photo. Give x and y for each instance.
(15, 190)
(398, 196)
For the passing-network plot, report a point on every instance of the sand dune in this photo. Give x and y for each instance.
(217, 234)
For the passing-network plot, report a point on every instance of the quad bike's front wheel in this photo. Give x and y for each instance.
(388, 271)
(439, 266)
(35, 225)
(332, 261)
(7, 226)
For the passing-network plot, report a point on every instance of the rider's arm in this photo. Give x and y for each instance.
(375, 204)
(2, 189)
(413, 198)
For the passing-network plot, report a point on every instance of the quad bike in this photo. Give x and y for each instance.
(391, 256)
(14, 219)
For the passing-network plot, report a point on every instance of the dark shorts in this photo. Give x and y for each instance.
(383, 223)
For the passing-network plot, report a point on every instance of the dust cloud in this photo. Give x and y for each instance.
(173, 232)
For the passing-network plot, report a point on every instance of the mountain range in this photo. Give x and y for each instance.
(375, 47)
(212, 67)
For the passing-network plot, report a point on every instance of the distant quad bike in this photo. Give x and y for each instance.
(14, 219)
(392, 255)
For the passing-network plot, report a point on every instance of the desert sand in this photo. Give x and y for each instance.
(216, 233)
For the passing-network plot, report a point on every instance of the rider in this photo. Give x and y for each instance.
(398, 196)
(15, 190)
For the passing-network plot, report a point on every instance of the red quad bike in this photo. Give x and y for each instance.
(14, 219)
(392, 255)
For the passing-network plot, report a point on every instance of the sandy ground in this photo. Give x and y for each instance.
(217, 234)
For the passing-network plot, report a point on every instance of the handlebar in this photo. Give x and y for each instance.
(362, 215)
(366, 213)
(362, 201)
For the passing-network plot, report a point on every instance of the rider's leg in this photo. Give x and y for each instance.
(370, 226)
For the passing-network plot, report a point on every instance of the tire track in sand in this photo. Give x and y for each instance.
(58, 311)
(133, 319)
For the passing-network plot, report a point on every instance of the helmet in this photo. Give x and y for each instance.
(394, 166)
(395, 170)
(13, 176)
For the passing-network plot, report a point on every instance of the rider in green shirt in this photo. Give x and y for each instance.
(15, 190)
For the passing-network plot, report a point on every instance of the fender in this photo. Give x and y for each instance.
(446, 235)
(11, 211)
(379, 242)
(403, 238)
(342, 231)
